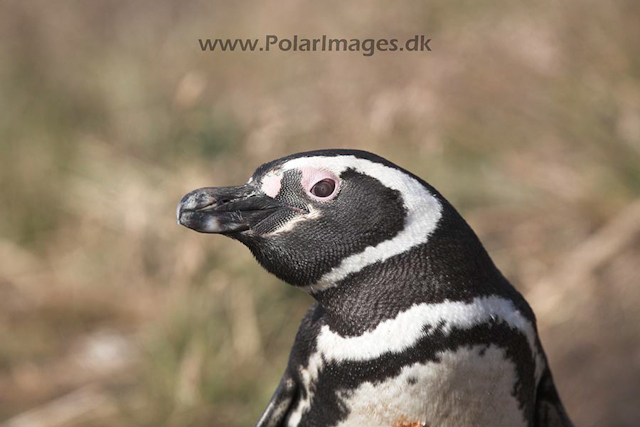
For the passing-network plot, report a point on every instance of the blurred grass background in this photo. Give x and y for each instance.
(526, 116)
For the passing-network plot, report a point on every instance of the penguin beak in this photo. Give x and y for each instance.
(225, 210)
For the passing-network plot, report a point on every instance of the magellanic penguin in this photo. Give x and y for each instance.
(413, 324)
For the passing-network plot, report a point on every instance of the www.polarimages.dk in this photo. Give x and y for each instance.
(368, 47)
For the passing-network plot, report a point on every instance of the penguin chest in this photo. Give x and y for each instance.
(471, 386)
(445, 365)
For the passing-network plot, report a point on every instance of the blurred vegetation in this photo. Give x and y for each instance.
(526, 116)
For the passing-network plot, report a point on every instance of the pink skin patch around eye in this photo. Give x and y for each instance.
(311, 176)
(271, 185)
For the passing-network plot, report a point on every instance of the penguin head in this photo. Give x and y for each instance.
(314, 218)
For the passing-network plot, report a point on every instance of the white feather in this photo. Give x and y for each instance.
(466, 387)
(423, 213)
(403, 332)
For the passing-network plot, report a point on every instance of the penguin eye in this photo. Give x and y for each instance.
(324, 188)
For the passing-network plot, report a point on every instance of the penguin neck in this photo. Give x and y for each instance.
(361, 301)
(452, 266)
(344, 311)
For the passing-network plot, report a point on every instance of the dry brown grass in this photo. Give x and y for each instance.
(526, 117)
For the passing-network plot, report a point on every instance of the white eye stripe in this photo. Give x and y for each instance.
(271, 184)
(423, 213)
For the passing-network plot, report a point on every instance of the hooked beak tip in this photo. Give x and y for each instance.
(224, 210)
